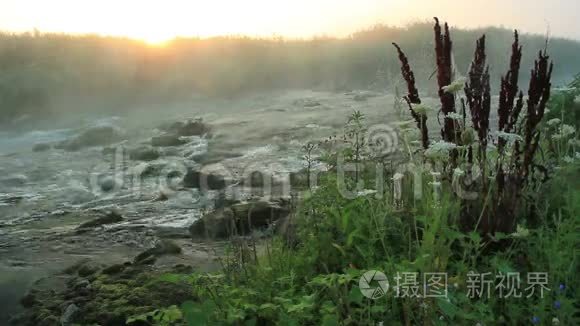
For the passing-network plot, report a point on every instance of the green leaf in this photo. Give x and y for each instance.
(355, 295)
(330, 320)
(447, 307)
(351, 237)
(196, 314)
(339, 249)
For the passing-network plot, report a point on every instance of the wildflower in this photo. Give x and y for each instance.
(535, 320)
(439, 149)
(454, 116)
(562, 287)
(555, 321)
(567, 130)
(568, 159)
(521, 232)
(509, 137)
(554, 122)
(366, 192)
(574, 142)
(456, 86)
(458, 172)
(420, 108)
(557, 304)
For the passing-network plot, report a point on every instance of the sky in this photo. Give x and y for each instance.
(161, 20)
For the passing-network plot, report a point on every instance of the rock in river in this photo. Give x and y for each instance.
(94, 136)
(204, 181)
(144, 153)
(110, 183)
(238, 219)
(41, 147)
(167, 140)
(163, 247)
(109, 218)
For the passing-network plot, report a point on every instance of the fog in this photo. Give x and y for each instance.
(128, 169)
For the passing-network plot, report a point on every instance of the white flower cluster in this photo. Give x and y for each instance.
(366, 192)
(568, 159)
(458, 172)
(439, 149)
(572, 159)
(521, 232)
(420, 108)
(564, 132)
(554, 122)
(510, 138)
(456, 86)
(574, 142)
(454, 116)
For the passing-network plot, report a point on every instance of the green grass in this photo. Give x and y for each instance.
(313, 278)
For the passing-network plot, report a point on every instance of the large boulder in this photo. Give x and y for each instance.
(238, 219)
(41, 147)
(192, 128)
(109, 183)
(94, 136)
(204, 181)
(144, 153)
(163, 247)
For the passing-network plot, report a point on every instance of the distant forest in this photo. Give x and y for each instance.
(43, 74)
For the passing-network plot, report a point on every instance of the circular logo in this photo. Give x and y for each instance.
(373, 284)
(382, 140)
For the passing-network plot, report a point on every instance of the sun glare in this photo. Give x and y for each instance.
(154, 39)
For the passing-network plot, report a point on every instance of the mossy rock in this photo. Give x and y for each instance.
(163, 247)
(87, 269)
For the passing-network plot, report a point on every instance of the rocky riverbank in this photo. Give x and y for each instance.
(109, 190)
